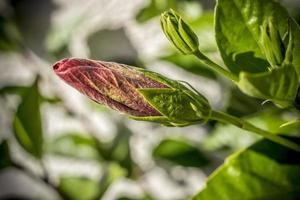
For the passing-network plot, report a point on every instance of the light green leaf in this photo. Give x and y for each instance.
(237, 27)
(5, 159)
(279, 85)
(79, 188)
(264, 171)
(27, 122)
(180, 152)
(74, 145)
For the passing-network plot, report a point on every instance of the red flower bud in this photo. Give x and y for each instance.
(112, 84)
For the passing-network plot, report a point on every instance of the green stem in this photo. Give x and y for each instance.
(223, 117)
(215, 66)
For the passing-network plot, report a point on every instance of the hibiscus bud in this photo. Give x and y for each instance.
(179, 33)
(139, 93)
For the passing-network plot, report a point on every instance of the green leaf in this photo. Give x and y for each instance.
(240, 104)
(264, 171)
(180, 152)
(79, 188)
(74, 145)
(10, 39)
(279, 85)
(237, 27)
(27, 122)
(5, 159)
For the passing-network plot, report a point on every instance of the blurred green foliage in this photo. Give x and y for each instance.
(10, 38)
(79, 188)
(27, 122)
(180, 152)
(256, 171)
(5, 160)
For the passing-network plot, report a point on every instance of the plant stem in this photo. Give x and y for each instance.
(223, 117)
(215, 66)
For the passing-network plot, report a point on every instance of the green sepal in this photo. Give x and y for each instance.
(278, 85)
(202, 102)
(177, 106)
(161, 120)
(188, 35)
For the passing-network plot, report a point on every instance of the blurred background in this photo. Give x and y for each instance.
(57, 144)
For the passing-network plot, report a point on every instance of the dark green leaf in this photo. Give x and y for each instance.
(5, 159)
(79, 188)
(264, 171)
(27, 122)
(10, 39)
(74, 145)
(180, 152)
(237, 27)
(20, 90)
